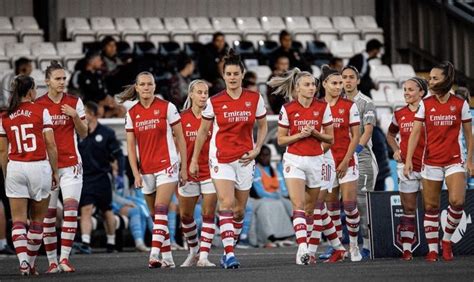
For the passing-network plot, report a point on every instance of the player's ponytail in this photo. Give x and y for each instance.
(285, 85)
(444, 86)
(54, 65)
(20, 87)
(129, 93)
(189, 102)
(232, 59)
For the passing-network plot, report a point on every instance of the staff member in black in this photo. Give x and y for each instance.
(98, 150)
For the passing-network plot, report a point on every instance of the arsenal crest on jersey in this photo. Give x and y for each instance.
(248, 104)
(452, 108)
(315, 113)
(156, 112)
(341, 111)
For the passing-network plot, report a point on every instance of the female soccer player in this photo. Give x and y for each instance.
(68, 117)
(346, 138)
(151, 124)
(415, 89)
(198, 93)
(444, 115)
(233, 113)
(304, 124)
(26, 136)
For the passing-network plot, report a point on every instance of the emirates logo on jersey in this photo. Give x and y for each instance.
(452, 108)
(341, 111)
(156, 112)
(248, 104)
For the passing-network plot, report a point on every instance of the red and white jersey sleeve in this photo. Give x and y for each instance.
(191, 126)
(232, 134)
(443, 123)
(295, 117)
(153, 133)
(345, 115)
(24, 130)
(64, 128)
(402, 123)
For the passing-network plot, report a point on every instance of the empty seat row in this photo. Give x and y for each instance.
(201, 28)
(20, 29)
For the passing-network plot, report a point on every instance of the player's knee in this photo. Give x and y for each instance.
(239, 214)
(457, 202)
(161, 209)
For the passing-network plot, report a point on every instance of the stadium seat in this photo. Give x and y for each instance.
(318, 51)
(359, 46)
(7, 34)
(251, 29)
(193, 49)
(78, 29)
(182, 36)
(245, 49)
(202, 28)
(265, 50)
(382, 73)
(324, 29)
(71, 53)
(144, 48)
(273, 26)
(394, 95)
(379, 98)
(402, 72)
(45, 52)
(263, 73)
(223, 23)
(170, 48)
(124, 49)
(130, 30)
(346, 28)
(384, 116)
(342, 49)
(89, 47)
(300, 29)
(39, 77)
(104, 26)
(16, 50)
(316, 71)
(369, 28)
(5, 62)
(175, 23)
(179, 30)
(28, 29)
(155, 30)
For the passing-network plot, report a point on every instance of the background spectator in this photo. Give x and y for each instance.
(282, 65)
(210, 60)
(23, 66)
(286, 49)
(179, 82)
(361, 62)
(336, 63)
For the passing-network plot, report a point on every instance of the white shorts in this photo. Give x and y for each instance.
(153, 180)
(194, 189)
(71, 175)
(438, 173)
(411, 184)
(308, 168)
(234, 171)
(31, 180)
(328, 173)
(352, 174)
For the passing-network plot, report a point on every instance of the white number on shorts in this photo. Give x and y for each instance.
(22, 138)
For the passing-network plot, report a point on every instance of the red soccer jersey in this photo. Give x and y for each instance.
(295, 117)
(443, 126)
(344, 115)
(232, 134)
(152, 129)
(402, 122)
(24, 130)
(190, 128)
(63, 126)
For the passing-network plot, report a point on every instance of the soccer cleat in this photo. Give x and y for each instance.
(327, 254)
(312, 259)
(337, 256)
(447, 250)
(82, 248)
(205, 263)
(25, 268)
(167, 263)
(7, 251)
(53, 268)
(302, 257)
(222, 260)
(110, 248)
(191, 260)
(432, 256)
(355, 254)
(66, 266)
(365, 253)
(154, 263)
(407, 255)
(231, 263)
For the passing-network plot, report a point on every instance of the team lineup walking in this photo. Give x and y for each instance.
(205, 154)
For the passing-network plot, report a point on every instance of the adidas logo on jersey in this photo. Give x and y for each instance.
(137, 116)
(224, 107)
(188, 125)
(297, 115)
(433, 110)
(403, 118)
